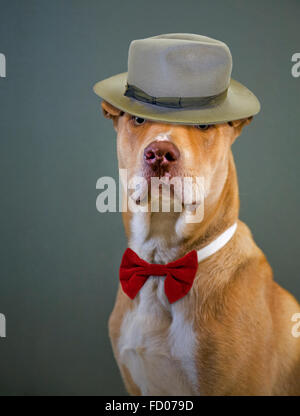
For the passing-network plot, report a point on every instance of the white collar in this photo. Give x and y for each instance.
(217, 244)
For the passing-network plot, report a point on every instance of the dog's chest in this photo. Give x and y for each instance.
(157, 344)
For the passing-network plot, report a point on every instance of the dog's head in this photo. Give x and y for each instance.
(156, 149)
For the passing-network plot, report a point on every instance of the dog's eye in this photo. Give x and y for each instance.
(203, 126)
(138, 120)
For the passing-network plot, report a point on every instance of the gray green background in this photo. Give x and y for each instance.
(59, 256)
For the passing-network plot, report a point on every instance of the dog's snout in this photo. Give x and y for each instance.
(161, 153)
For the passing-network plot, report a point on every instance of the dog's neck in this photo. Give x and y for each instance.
(163, 237)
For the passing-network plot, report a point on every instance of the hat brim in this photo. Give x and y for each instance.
(239, 103)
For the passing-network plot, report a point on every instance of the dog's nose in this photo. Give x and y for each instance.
(161, 154)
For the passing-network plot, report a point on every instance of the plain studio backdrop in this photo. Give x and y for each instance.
(59, 256)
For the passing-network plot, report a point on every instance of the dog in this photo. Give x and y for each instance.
(197, 310)
(232, 334)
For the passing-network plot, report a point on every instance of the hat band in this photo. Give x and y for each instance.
(174, 102)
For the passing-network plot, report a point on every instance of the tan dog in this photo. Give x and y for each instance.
(231, 334)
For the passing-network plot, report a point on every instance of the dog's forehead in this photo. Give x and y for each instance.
(164, 131)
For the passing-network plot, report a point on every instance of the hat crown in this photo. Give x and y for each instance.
(179, 65)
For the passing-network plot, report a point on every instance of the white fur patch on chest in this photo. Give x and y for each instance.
(157, 345)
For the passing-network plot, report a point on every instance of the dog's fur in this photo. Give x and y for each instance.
(231, 334)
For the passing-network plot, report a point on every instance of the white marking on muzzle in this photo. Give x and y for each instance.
(163, 137)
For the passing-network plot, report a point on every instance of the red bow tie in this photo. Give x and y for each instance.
(180, 274)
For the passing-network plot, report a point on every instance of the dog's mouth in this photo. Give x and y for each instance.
(175, 190)
(159, 172)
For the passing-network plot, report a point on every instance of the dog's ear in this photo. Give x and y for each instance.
(237, 126)
(112, 112)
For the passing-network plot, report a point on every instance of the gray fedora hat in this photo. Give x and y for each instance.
(179, 78)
